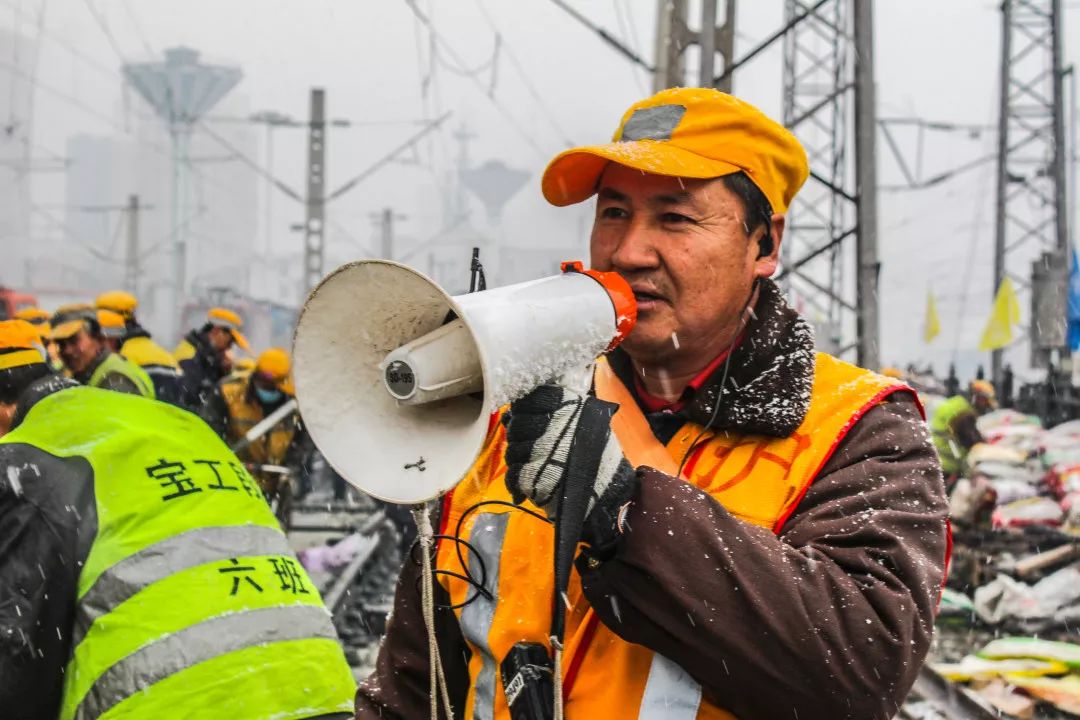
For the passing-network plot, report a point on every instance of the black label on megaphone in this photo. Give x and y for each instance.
(400, 380)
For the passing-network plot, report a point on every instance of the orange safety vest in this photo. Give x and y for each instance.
(605, 676)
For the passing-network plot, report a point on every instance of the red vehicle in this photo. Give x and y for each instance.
(11, 302)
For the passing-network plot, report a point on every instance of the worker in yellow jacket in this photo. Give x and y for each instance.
(242, 401)
(137, 345)
(142, 573)
(76, 329)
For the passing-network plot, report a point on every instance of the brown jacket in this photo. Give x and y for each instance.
(831, 619)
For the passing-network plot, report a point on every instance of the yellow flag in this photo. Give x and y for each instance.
(932, 324)
(1005, 314)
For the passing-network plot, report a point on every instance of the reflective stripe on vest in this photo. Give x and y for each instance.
(197, 643)
(189, 582)
(486, 537)
(670, 692)
(128, 577)
(758, 479)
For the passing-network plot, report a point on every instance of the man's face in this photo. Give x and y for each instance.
(221, 339)
(79, 350)
(682, 246)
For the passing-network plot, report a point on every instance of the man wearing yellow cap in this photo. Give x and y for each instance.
(39, 318)
(764, 530)
(203, 355)
(243, 401)
(137, 346)
(78, 334)
(142, 574)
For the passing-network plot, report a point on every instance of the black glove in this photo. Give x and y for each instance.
(551, 425)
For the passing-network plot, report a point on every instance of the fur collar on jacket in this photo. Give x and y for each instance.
(770, 376)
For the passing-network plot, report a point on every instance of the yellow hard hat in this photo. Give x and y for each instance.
(225, 318)
(20, 344)
(112, 323)
(119, 301)
(688, 133)
(70, 319)
(39, 318)
(274, 365)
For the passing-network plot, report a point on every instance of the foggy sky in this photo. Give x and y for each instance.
(935, 58)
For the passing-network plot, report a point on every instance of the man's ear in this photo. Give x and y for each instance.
(769, 248)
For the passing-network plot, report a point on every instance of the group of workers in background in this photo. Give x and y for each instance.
(143, 572)
(104, 346)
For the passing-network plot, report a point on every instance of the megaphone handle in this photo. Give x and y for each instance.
(582, 465)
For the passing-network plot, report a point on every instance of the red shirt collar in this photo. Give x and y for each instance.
(652, 404)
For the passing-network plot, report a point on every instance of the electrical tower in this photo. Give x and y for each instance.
(181, 90)
(674, 36)
(1031, 229)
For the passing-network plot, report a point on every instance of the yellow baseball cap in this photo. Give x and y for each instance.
(274, 364)
(20, 344)
(690, 133)
(39, 318)
(33, 315)
(225, 318)
(112, 323)
(70, 319)
(119, 301)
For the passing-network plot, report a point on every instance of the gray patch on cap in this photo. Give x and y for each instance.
(652, 123)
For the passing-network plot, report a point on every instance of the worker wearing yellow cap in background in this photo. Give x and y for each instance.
(39, 318)
(240, 403)
(954, 426)
(121, 594)
(78, 334)
(137, 346)
(751, 508)
(204, 357)
(24, 369)
(112, 328)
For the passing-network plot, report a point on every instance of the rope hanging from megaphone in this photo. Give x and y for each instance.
(438, 688)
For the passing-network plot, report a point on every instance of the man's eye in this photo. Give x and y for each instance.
(674, 219)
(613, 212)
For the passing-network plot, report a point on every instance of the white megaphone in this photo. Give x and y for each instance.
(397, 380)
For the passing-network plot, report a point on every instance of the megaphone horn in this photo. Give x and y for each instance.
(396, 379)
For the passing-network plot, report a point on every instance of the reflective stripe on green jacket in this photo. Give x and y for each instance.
(941, 429)
(114, 363)
(190, 602)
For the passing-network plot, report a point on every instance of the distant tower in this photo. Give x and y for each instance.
(180, 90)
(494, 183)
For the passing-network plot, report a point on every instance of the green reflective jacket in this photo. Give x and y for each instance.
(114, 363)
(190, 602)
(941, 430)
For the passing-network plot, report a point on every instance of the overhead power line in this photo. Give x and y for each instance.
(526, 81)
(105, 30)
(607, 37)
(442, 42)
